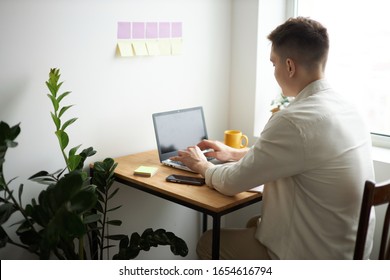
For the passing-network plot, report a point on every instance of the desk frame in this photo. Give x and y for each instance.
(216, 216)
(151, 158)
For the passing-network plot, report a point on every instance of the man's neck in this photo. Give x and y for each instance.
(305, 79)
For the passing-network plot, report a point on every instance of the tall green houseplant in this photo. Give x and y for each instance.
(73, 208)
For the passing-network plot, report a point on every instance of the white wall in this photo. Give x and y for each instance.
(114, 97)
(251, 71)
(243, 66)
(271, 14)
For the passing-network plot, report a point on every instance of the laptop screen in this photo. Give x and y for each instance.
(176, 130)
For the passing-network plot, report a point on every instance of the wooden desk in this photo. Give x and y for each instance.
(202, 199)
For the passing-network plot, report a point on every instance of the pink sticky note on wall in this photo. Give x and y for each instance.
(176, 29)
(138, 30)
(151, 30)
(124, 30)
(164, 30)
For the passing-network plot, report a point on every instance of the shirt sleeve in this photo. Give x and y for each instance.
(278, 153)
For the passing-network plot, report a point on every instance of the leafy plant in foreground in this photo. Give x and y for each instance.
(70, 209)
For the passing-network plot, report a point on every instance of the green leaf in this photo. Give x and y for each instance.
(39, 174)
(67, 123)
(82, 202)
(99, 207)
(62, 96)
(3, 237)
(109, 246)
(73, 161)
(113, 209)
(113, 193)
(45, 180)
(179, 247)
(53, 89)
(14, 131)
(4, 132)
(117, 237)
(88, 188)
(147, 232)
(84, 154)
(114, 222)
(135, 239)
(59, 172)
(54, 76)
(93, 218)
(2, 183)
(161, 237)
(63, 138)
(6, 210)
(124, 242)
(39, 213)
(20, 194)
(43, 177)
(28, 236)
(54, 102)
(63, 110)
(19, 222)
(8, 196)
(88, 152)
(59, 84)
(68, 186)
(57, 121)
(109, 161)
(69, 224)
(73, 151)
(10, 144)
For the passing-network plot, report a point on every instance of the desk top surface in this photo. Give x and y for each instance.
(203, 196)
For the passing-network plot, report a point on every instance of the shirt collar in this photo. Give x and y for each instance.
(312, 88)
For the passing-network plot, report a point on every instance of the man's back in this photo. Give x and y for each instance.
(311, 209)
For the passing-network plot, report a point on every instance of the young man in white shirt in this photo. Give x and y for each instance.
(312, 157)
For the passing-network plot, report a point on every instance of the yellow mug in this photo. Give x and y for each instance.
(234, 139)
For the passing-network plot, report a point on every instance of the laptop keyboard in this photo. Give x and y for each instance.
(175, 162)
(182, 164)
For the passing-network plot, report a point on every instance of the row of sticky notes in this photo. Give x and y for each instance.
(149, 38)
(149, 30)
(128, 48)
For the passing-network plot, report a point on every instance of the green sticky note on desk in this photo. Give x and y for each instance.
(145, 171)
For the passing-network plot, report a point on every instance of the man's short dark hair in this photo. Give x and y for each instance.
(301, 39)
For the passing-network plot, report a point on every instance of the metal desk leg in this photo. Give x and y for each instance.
(204, 222)
(216, 237)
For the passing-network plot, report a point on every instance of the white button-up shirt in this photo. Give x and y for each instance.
(313, 157)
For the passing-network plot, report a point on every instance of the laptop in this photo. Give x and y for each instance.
(176, 130)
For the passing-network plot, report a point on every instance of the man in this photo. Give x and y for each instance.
(312, 157)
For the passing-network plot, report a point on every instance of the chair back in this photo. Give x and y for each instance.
(374, 194)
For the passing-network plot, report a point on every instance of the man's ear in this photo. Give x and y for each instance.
(290, 67)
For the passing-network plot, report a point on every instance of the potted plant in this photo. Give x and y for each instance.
(70, 214)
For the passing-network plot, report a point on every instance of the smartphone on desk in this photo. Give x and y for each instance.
(181, 179)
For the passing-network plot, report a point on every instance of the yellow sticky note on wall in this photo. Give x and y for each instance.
(139, 48)
(125, 48)
(176, 45)
(152, 47)
(164, 46)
